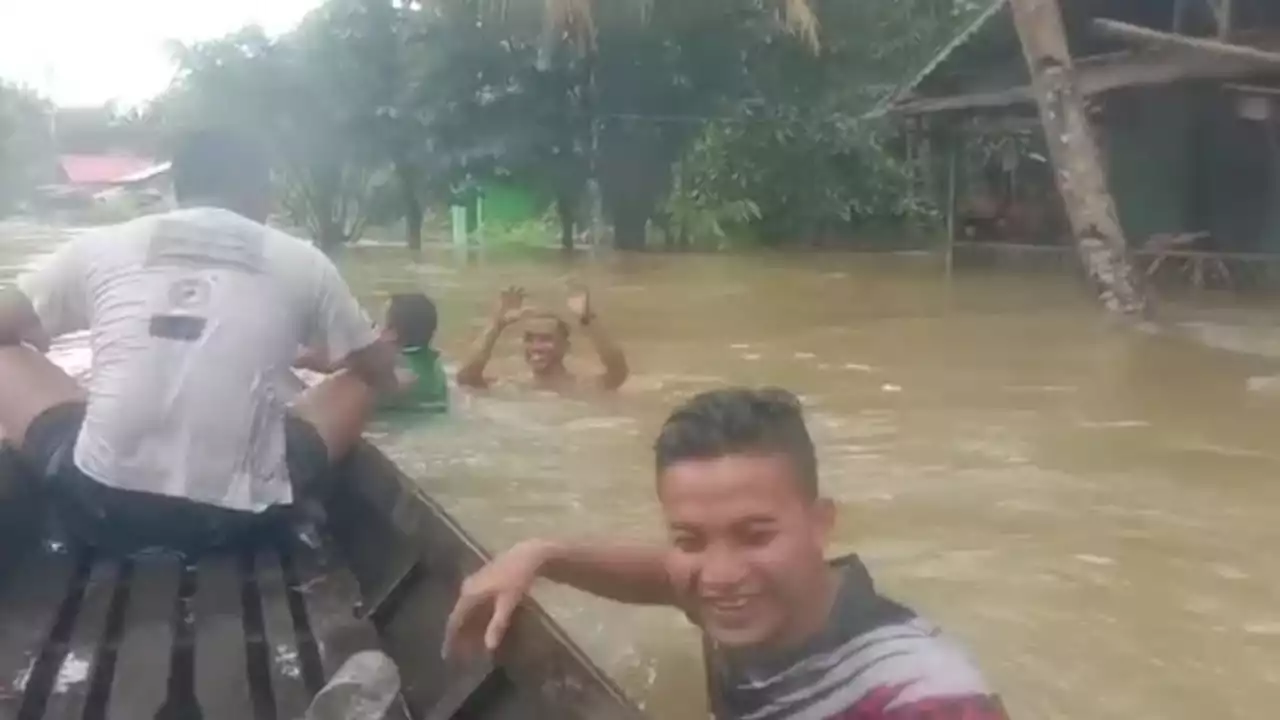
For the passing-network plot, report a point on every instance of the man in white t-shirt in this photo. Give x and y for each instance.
(185, 436)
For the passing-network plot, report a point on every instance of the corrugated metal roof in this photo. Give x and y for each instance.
(101, 169)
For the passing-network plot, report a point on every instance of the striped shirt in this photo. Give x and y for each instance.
(874, 660)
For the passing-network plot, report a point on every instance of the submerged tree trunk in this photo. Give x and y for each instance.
(564, 208)
(629, 221)
(1076, 159)
(413, 212)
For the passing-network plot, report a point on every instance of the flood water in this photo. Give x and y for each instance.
(1091, 509)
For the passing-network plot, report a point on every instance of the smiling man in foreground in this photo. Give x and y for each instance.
(791, 636)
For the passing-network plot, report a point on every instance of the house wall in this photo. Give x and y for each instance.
(1237, 183)
(1179, 159)
(1147, 138)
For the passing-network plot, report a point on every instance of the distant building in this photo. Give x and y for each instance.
(98, 172)
(82, 180)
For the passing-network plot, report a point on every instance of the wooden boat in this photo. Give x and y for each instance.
(255, 635)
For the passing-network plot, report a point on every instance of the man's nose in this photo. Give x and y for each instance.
(722, 567)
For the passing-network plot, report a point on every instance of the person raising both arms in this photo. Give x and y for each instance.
(546, 344)
(790, 636)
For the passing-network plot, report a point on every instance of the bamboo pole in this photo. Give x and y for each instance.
(1076, 159)
(953, 154)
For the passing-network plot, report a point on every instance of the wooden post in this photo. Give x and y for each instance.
(953, 155)
(1077, 162)
(1226, 20)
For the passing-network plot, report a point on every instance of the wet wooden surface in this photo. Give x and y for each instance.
(29, 604)
(83, 655)
(283, 658)
(142, 662)
(221, 666)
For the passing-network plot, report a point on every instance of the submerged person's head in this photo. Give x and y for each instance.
(738, 484)
(411, 320)
(546, 342)
(222, 168)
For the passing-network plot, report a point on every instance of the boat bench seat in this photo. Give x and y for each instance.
(245, 636)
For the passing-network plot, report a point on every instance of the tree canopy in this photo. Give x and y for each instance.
(712, 120)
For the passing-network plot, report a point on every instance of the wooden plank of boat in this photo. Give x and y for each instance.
(385, 524)
(84, 656)
(280, 640)
(221, 675)
(402, 551)
(29, 605)
(142, 667)
(328, 598)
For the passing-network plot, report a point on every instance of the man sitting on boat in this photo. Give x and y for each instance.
(185, 436)
(789, 634)
(546, 345)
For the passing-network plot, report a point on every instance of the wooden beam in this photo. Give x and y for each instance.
(1077, 162)
(1137, 33)
(1103, 73)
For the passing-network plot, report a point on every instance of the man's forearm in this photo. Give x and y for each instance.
(611, 355)
(376, 366)
(472, 372)
(633, 574)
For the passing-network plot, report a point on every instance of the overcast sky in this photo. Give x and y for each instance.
(87, 52)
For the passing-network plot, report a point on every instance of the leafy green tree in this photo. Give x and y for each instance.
(27, 153)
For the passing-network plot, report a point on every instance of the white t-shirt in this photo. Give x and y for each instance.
(194, 317)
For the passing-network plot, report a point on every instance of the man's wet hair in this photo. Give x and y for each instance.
(740, 421)
(413, 317)
(562, 326)
(219, 164)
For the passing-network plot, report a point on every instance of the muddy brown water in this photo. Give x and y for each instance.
(1092, 510)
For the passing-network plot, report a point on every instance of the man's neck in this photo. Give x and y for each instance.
(813, 619)
(554, 375)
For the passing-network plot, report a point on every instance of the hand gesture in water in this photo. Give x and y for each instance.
(489, 598)
(511, 305)
(580, 302)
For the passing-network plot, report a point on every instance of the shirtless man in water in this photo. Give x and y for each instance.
(546, 343)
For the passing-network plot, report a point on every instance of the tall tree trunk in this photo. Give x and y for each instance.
(564, 208)
(629, 221)
(413, 212)
(1076, 158)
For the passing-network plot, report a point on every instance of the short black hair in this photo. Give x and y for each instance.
(562, 326)
(413, 317)
(740, 421)
(219, 164)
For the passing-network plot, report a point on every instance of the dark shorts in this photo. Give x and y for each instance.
(116, 520)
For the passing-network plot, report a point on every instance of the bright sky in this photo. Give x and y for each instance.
(87, 52)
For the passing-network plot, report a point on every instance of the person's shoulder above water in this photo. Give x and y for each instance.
(874, 659)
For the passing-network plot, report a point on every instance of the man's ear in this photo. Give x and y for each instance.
(824, 519)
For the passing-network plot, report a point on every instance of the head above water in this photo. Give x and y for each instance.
(738, 484)
(411, 320)
(546, 343)
(219, 167)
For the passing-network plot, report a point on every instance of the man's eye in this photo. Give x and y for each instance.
(757, 537)
(687, 543)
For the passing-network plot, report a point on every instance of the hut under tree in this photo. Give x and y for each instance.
(1183, 103)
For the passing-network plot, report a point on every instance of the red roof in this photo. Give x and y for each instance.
(101, 169)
